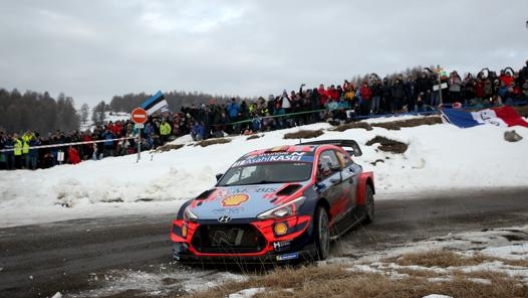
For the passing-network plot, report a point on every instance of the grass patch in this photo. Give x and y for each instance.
(210, 142)
(522, 111)
(353, 125)
(447, 258)
(168, 147)
(336, 281)
(394, 125)
(304, 134)
(252, 137)
(388, 145)
(397, 125)
(437, 258)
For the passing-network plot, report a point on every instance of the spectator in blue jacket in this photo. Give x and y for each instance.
(232, 110)
(108, 149)
(32, 156)
(197, 131)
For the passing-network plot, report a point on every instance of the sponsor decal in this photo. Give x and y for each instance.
(256, 189)
(234, 210)
(275, 157)
(285, 257)
(281, 245)
(235, 200)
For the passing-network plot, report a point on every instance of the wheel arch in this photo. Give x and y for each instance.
(366, 179)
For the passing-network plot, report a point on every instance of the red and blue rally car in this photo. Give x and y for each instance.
(277, 205)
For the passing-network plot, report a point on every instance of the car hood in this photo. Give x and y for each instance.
(243, 201)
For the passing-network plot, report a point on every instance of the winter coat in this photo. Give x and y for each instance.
(165, 129)
(73, 155)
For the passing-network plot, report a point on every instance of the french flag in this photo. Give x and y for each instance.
(504, 116)
(155, 103)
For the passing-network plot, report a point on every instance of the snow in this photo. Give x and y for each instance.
(439, 157)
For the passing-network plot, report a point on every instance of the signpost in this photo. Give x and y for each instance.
(440, 72)
(139, 117)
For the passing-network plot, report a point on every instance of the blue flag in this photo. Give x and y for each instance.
(154, 103)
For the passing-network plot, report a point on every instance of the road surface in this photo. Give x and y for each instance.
(79, 256)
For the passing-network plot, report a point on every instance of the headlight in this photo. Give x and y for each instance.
(188, 215)
(282, 211)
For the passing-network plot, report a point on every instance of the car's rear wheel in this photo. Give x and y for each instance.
(322, 233)
(369, 205)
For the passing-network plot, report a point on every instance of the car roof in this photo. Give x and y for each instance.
(350, 146)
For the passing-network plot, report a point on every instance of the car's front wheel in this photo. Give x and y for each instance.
(322, 233)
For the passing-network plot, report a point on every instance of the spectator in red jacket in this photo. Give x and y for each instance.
(73, 155)
(506, 78)
(333, 93)
(366, 96)
(323, 94)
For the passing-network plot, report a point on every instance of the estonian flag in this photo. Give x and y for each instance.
(504, 116)
(154, 103)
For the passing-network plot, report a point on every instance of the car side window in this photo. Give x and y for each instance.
(344, 159)
(327, 160)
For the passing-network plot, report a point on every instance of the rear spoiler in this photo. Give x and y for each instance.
(350, 146)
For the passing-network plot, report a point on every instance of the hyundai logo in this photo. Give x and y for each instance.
(224, 219)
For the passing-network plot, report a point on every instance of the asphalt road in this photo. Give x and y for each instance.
(41, 260)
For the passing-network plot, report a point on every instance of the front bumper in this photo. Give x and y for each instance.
(249, 242)
(308, 253)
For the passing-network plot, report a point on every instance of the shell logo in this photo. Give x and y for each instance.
(235, 200)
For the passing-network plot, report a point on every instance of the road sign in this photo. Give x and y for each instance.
(139, 116)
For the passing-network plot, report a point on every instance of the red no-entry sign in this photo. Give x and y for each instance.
(139, 116)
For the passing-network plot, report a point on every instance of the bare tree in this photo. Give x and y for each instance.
(85, 111)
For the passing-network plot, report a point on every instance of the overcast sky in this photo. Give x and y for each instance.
(93, 50)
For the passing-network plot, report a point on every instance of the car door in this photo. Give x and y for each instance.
(331, 185)
(350, 177)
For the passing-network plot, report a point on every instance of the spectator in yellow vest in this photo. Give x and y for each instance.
(165, 130)
(17, 150)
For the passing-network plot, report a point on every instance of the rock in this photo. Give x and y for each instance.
(512, 136)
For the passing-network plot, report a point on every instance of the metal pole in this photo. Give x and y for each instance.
(440, 87)
(139, 145)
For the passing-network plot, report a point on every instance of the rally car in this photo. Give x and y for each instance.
(277, 205)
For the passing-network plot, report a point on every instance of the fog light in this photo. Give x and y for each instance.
(184, 231)
(280, 229)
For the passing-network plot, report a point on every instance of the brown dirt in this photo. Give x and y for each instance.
(395, 125)
(252, 137)
(522, 111)
(353, 125)
(304, 134)
(388, 145)
(212, 142)
(168, 147)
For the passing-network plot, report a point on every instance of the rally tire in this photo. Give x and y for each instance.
(369, 205)
(322, 233)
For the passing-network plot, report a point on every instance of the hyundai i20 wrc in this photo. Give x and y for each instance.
(277, 205)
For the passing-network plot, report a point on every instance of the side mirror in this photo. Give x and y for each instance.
(218, 177)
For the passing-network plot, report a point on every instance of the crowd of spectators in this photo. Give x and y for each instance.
(341, 102)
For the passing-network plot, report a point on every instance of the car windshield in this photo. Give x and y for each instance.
(263, 173)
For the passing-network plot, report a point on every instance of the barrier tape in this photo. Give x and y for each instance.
(69, 144)
(272, 116)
